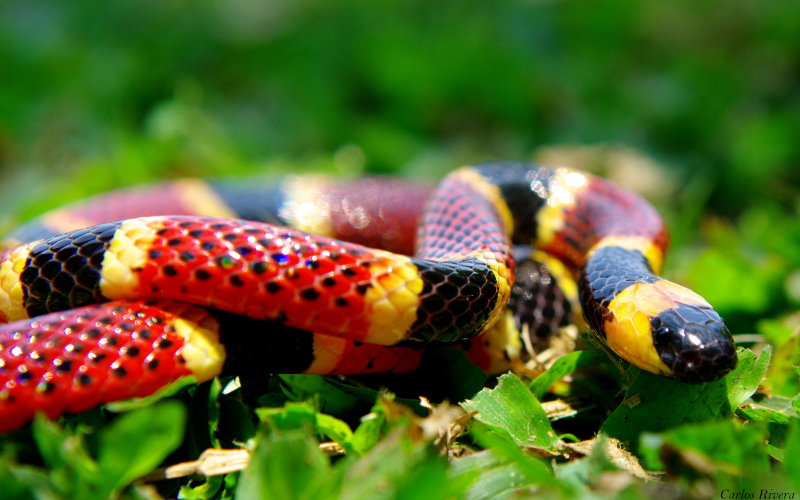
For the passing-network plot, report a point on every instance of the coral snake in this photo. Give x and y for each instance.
(188, 275)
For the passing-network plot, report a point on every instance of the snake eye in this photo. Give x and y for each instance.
(662, 336)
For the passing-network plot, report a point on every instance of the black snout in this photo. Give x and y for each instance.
(694, 342)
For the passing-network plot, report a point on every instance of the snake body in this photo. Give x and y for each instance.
(120, 309)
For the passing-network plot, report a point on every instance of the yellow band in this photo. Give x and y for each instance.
(628, 330)
(11, 296)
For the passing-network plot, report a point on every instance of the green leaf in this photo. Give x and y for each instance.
(564, 366)
(204, 417)
(741, 385)
(369, 431)
(371, 395)
(777, 422)
(70, 464)
(299, 415)
(398, 468)
(734, 455)
(377, 424)
(791, 462)
(288, 466)
(511, 409)
(137, 442)
(654, 403)
(11, 487)
(24, 483)
(732, 281)
(206, 491)
(587, 470)
(330, 397)
(51, 441)
(778, 403)
(491, 477)
(428, 481)
(235, 421)
(165, 392)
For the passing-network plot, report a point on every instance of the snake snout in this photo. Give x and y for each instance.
(694, 343)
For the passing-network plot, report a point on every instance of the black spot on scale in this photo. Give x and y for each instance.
(64, 366)
(92, 333)
(96, 357)
(120, 371)
(131, 351)
(310, 294)
(46, 387)
(163, 344)
(196, 233)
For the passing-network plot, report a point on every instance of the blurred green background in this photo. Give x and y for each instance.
(696, 103)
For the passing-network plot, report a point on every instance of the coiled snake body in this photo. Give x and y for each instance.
(120, 309)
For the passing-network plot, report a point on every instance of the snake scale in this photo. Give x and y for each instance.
(118, 296)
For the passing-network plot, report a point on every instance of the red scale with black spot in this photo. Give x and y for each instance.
(261, 271)
(74, 360)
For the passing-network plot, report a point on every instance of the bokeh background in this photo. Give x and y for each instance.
(694, 103)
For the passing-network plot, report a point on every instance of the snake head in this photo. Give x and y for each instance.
(694, 343)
